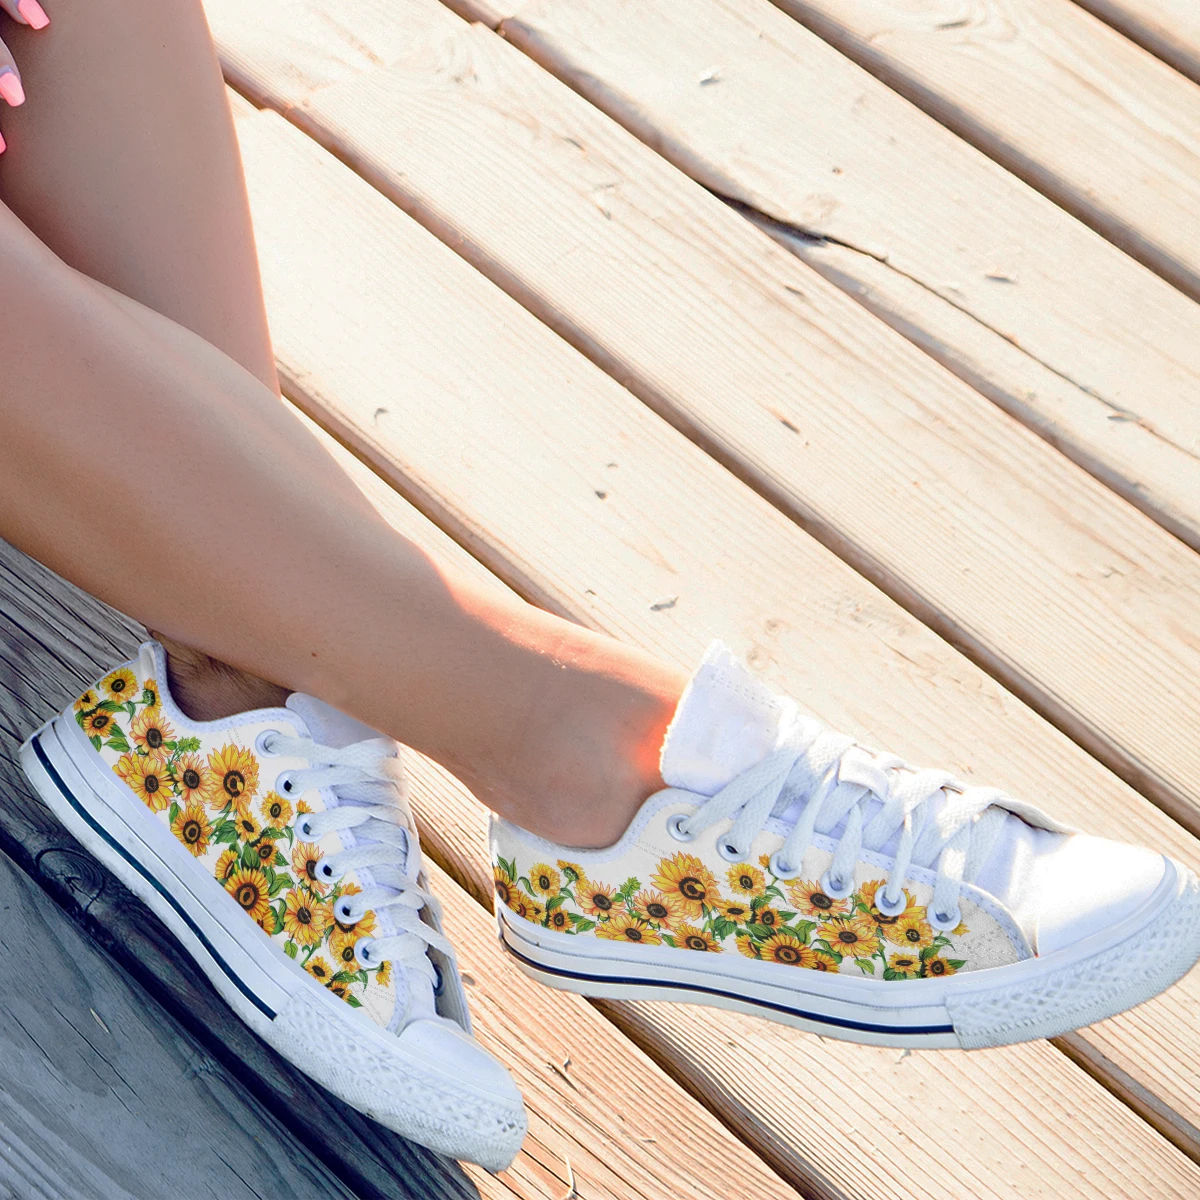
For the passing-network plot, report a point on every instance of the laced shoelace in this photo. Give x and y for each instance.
(383, 843)
(835, 779)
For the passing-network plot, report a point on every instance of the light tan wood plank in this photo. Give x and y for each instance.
(915, 479)
(1167, 28)
(1095, 122)
(489, 422)
(1025, 303)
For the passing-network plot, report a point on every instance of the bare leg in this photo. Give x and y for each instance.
(149, 467)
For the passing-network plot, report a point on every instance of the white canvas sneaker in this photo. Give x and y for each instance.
(788, 872)
(278, 847)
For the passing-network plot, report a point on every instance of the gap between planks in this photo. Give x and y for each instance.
(418, 408)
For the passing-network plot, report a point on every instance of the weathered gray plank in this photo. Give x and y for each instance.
(54, 640)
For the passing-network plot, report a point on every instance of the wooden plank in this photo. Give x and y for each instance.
(488, 422)
(1090, 349)
(1168, 28)
(105, 1095)
(1095, 122)
(962, 515)
(54, 642)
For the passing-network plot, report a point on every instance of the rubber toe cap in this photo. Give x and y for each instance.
(1086, 885)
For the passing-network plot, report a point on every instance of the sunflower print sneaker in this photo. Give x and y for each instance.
(278, 847)
(788, 872)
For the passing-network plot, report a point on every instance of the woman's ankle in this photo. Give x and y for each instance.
(207, 689)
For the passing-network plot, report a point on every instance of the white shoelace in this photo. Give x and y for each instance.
(383, 844)
(835, 780)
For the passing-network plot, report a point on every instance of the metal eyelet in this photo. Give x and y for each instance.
(676, 830)
(261, 748)
(944, 922)
(780, 869)
(284, 785)
(889, 909)
(304, 826)
(347, 913)
(728, 851)
(363, 950)
(325, 872)
(840, 891)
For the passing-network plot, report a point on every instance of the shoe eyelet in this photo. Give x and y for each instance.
(780, 869)
(284, 785)
(304, 826)
(890, 909)
(347, 913)
(728, 851)
(261, 743)
(676, 830)
(325, 872)
(363, 949)
(944, 922)
(439, 980)
(836, 890)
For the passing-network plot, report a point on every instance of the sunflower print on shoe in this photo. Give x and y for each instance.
(792, 922)
(210, 793)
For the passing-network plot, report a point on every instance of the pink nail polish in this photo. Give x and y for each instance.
(10, 87)
(33, 13)
(3, 144)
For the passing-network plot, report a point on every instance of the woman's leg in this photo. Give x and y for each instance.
(151, 468)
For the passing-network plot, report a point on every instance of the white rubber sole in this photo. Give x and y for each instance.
(402, 1087)
(1041, 997)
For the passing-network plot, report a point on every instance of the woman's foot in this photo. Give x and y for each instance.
(921, 911)
(277, 846)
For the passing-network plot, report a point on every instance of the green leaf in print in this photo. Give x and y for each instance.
(866, 964)
(289, 948)
(95, 740)
(173, 814)
(188, 745)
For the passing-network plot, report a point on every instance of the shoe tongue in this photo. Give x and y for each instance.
(726, 721)
(332, 727)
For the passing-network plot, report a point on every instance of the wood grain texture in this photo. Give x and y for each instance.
(488, 422)
(954, 509)
(54, 642)
(1083, 114)
(1077, 340)
(1168, 28)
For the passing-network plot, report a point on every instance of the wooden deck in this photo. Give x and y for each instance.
(862, 333)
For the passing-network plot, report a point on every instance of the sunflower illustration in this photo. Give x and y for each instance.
(341, 946)
(933, 967)
(227, 864)
(276, 811)
(544, 879)
(871, 889)
(527, 907)
(305, 856)
(150, 692)
(305, 917)
(905, 964)
(596, 899)
(265, 849)
(557, 918)
(149, 731)
(249, 888)
(197, 783)
(624, 928)
(247, 823)
(658, 908)
(120, 685)
(502, 881)
(688, 937)
(383, 976)
(149, 779)
(813, 901)
(912, 932)
(852, 937)
(746, 879)
(236, 770)
(746, 945)
(99, 724)
(768, 916)
(733, 910)
(783, 946)
(684, 875)
(87, 701)
(192, 828)
(364, 925)
(823, 960)
(319, 969)
(564, 865)
(340, 990)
